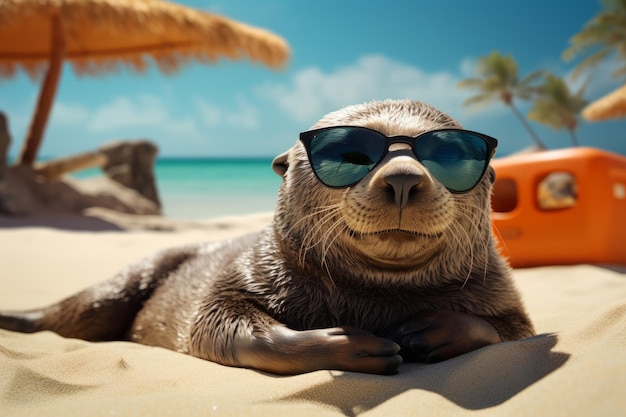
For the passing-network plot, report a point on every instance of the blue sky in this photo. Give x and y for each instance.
(343, 52)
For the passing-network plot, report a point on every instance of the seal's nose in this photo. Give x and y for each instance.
(403, 186)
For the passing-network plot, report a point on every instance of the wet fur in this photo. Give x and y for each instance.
(343, 279)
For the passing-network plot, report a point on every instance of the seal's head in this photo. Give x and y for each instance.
(397, 217)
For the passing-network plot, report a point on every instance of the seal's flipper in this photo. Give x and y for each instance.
(20, 321)
(105, 311)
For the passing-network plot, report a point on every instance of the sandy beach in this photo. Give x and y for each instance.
(576, 366)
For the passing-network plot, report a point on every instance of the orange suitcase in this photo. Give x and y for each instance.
(561, 207)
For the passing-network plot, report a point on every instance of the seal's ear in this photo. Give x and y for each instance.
(280, 164)
(491, 173)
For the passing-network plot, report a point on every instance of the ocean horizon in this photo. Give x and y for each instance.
(209, 187)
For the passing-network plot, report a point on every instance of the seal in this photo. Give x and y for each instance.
(398, 265)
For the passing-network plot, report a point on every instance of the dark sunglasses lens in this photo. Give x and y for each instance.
(342, 156)
(457, 159)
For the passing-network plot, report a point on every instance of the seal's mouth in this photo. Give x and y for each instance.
(402, 234)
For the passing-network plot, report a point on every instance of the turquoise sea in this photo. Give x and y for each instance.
(205, 188)
(202, 188)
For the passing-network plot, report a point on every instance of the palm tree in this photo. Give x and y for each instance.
(606, 33)
(556, 106)
(498, 80)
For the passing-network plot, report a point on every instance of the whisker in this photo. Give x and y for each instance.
(318, 210)
(326, 245)
(312, 237)
(457, 234)
(455, 229)
(475, 216)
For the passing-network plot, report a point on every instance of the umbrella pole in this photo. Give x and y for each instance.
(34, 136)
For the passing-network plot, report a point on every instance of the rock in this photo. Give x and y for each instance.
(131, 163)
(128, 187)
(24, 193)
(104, 192)
(5, 142)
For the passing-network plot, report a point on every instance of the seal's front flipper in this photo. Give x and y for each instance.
(105, 311)
(285, 351)
(438, 335)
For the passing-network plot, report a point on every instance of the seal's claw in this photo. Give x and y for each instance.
(434, 336)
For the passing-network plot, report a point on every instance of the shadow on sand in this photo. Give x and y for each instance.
(478, 380)
(62, 222)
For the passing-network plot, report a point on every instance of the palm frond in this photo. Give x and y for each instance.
(605, 33)
(545, 113)
(480, 100)
(556, 106)
(470, 83)
(533, 77)
(591, 61)
(620, 72)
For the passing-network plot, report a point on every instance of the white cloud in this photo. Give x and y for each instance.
(69, 114)
(143, 111)
(244, 116)
(124, 112)
(313, 93)
(211, 115)
(468, 67)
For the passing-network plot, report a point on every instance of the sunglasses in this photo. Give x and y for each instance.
(342, 155)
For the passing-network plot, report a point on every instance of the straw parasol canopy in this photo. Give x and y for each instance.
(611, 106)
(98, 36)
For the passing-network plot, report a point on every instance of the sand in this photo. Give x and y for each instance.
(576, 366)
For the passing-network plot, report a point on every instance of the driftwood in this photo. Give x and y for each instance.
(54, 169)
(129, 163)
(127, 186)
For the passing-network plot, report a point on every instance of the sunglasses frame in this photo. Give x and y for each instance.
(307, 137)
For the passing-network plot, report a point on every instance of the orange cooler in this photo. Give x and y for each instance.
(560, 207)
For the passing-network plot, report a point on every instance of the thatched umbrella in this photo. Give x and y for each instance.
(97, 36)
(611, 106)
